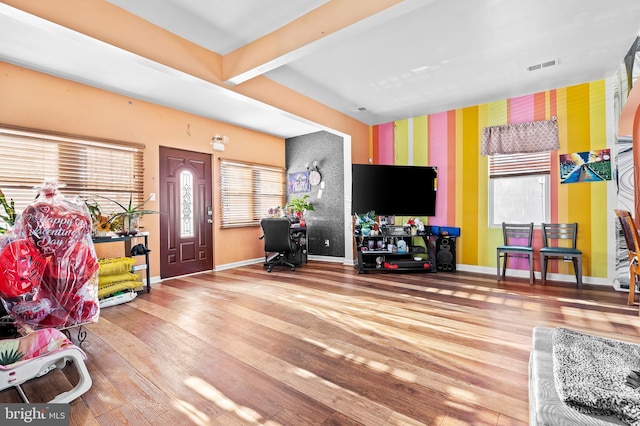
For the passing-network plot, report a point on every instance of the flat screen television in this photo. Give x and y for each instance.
(394, 190)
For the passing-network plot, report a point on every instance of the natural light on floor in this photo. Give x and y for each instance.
(205, 389)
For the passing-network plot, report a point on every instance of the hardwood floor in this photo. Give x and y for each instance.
(325, 345)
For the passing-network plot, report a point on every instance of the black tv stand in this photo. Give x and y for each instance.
(393, 250)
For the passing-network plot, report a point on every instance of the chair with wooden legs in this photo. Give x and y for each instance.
(633, 247)
(560, 231)
(517, 238)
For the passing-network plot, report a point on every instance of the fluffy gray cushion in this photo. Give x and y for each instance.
(590, 373)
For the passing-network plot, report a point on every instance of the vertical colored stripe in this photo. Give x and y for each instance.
(597, 232)
(373, 144)
(452, 153)
(439, 145)
(410, 142)
(559, 197)
(401, 157)
(486, 251)
(539, 106)
(521, 109)
(468, 160)
(385, 144)
(420, 141)
(578, 194)
(373, 135)
(497, 113)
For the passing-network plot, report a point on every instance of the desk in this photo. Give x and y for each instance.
(127, 251)
(299, 234)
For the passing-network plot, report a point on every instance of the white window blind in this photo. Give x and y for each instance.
(519, 188)
(248, 191)
(524, 164)
(89, 168)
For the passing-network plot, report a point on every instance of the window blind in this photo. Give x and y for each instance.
(523, 164)
(248, 191)
(89, 168)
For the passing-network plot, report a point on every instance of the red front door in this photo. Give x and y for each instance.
(186, 238)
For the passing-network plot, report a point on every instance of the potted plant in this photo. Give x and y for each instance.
(300, 205)
(130, 215)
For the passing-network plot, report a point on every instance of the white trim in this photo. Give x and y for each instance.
(612, 192)
(333, 259)
(348, 196)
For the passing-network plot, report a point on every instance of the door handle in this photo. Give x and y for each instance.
(209, 215)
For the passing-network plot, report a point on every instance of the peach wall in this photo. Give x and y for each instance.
(35, 100)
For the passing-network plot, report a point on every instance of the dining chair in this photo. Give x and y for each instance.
(553, 248)
(633, 247)
(517, 238)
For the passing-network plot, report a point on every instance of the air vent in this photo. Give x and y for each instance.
(543, 65)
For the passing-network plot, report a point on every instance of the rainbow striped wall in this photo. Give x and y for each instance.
(451, 141)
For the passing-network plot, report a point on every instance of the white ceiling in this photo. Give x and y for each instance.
(418, 57)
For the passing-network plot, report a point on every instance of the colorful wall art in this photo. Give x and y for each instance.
(588, 166)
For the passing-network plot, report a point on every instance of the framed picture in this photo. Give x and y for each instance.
(299, 182)
(588, 166)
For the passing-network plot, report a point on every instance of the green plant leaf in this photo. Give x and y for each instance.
(130, 209)
(10, 356)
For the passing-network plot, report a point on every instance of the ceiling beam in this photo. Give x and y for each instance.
(300, 37)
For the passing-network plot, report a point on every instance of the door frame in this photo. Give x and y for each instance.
(162, 194)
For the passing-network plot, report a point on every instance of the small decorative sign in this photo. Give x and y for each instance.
(588, 166)
(299, 182)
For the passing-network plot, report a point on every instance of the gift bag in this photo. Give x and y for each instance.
(51, 277)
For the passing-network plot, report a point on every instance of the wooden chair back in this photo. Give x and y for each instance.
(630, 232)
(633, 247)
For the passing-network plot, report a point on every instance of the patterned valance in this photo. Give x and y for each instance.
(535, 136)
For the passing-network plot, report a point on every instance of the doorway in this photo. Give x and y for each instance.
(186, 237)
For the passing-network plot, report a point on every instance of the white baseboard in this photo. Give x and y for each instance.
(518, 273)
(521, 273)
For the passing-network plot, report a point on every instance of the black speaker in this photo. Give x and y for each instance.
(446, 254)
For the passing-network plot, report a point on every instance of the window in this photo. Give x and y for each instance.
(519, 188)
(248, 191)
(88, 168)
(186, 204)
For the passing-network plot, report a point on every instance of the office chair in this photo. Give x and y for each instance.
(633, 248)
(517, 238)
(277, 242)
(560, 231)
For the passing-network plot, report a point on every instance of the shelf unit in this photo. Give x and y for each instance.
(373, 253)
(127, 252)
